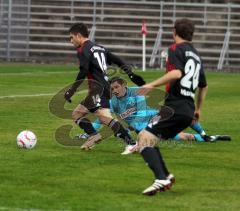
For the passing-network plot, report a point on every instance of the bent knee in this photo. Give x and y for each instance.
(76, 115)
(104, 116)
(146, 139)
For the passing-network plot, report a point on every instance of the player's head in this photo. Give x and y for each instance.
(78, 34)
(118, 86)
(183, 28)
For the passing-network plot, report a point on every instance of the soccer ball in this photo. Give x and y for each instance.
(26, 139)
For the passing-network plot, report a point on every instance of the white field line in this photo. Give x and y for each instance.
(32, 95)
(22, 209)
(38, 73)
(17, 209)
(37, 95)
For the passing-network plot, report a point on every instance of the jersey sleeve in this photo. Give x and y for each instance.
(84, 59)
(111, 107)
(175, 60)
(114, 59)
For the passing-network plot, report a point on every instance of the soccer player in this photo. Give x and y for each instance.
(93, 60)
(184, 75)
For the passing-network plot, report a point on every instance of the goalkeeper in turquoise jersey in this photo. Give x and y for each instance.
(133, 109)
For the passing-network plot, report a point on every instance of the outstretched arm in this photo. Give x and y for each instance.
(168, 77)
(113, 59)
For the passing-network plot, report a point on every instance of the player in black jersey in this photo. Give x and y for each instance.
(184, 75)
(93, 60)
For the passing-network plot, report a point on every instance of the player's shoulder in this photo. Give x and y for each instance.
(85, 48)
(180, 46)
(175, 49)
(132, 90)
(172, 47)
(97, 47)
(113, 100)
(114, 103)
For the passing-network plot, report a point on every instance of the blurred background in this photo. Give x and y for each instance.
(37, 30)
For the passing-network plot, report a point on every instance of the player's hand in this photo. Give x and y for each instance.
(138, 80)
(68, 94)
(196, 116)
(145, 89)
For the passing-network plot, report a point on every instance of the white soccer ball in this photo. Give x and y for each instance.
(26, 139)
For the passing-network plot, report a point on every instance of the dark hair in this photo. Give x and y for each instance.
(184, 28)
(117, 79)
(79, 28)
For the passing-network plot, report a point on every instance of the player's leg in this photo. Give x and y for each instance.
(84, 123)
(118, 130)
(152, 156)
(164, 129)
(79, 118)
(184, 136)
(203, 136)
(96, 125)
(188, 137)
(198, 128)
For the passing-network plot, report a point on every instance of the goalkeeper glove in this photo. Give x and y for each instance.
(138, 80)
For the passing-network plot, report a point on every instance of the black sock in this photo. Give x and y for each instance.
(86, 125)
(151, 157)
(121, 132)
(162, 161)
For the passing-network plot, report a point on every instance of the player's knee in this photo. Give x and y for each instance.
(146, 139)
(104, 116)
(105, 120)
(76, 115)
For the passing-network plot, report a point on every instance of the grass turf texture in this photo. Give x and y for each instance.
(53, 177)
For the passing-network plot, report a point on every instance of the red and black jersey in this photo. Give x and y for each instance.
(93, 60)
(180, 93)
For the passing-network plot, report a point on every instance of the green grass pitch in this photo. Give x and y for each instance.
(54, 177)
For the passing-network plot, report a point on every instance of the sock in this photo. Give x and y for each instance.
(154, 162)
(198, 128)
(177, 137)
(86, 125)
(121, 132)
(162, 161)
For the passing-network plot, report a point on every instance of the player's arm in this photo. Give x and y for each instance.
(167, 78)
(175, 73)
(201, 94)
(113, 59)
(83, 71)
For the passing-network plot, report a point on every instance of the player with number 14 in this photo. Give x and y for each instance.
(93, 59)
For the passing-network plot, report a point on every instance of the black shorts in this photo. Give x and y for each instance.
(170, 127)
(94, 101)
(98, 96)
